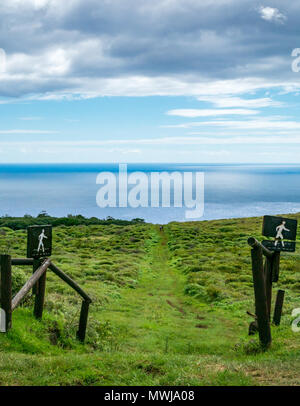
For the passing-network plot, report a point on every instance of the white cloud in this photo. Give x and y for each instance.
(272, 14)
(208, 112)
(140, 86)
(239, 102)
(258, 124)
(53, 62)
(167, 141)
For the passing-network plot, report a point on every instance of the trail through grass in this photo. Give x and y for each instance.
(144, 328)
(156, 315)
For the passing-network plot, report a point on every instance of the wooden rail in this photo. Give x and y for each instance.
(70, 282)
(22, 261)
(85, 303)
(30, 283)
(255, 244)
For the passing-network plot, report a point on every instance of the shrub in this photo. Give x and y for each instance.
(19, 278)
(214, 293)
(193, 289)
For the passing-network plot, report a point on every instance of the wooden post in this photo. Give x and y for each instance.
(6, 288)
(36, 265)
(278, 307)
(40, 297)
(275, 266)
(260, 297)
(83, 320)
(268, 281)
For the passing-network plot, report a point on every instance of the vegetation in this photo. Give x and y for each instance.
(21, 223)
(169, 308)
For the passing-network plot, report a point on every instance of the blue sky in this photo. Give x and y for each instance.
(138, 81)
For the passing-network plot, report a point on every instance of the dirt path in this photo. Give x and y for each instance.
(156, 315)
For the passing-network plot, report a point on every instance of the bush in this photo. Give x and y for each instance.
(214, 293)
(193, 289)
(19, 278)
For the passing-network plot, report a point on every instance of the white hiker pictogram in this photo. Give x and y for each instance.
(279, 235)
(41, 243)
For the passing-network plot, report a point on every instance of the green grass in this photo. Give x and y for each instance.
(169, 308)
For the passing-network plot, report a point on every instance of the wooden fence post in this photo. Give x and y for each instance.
(268, 282)
(83, 320)
(261, 306)
(275, 266)
(36, 265)
(6, 289)
(278, 307)
(40, 297)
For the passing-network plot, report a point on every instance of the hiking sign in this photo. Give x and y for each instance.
(284, 232)
(39, 241)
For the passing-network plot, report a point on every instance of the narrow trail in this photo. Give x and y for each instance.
(156, 315)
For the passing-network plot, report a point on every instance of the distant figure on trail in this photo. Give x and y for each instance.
(279, 235)
(41, 243)
(161, 228)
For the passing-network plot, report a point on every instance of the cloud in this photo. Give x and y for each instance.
(272, 14)
(164, 141)
(269, 124)
(209, 112)
(239, 102)
(87, 48)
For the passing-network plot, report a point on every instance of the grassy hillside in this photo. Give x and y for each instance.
(169, 308)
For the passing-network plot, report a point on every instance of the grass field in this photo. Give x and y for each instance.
(169, 308)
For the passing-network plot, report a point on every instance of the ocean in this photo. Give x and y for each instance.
(230, 190)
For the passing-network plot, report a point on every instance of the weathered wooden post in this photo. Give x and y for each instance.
(261, 306)
(278, 307)
(83, 320)
(36, 265)
(268, 267)
(40, 297)
(6, 289)
(275, 266)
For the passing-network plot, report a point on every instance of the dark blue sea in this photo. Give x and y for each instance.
(230, 190)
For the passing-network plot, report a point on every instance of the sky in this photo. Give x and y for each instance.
(179, 81)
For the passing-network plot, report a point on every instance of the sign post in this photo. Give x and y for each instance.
(284, 232)
(39, 245)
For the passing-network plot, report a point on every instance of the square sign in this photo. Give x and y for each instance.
(281, 229)
(39, 241)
